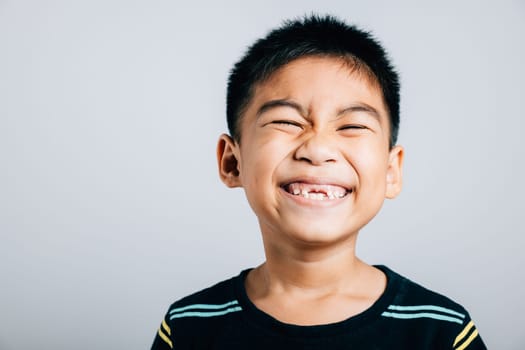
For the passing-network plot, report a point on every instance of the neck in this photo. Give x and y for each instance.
(319, 270)
(313, 284)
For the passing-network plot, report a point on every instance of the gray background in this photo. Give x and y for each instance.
(110, 203)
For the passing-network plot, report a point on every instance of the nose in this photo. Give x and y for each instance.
(317, 149)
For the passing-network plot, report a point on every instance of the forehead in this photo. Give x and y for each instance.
(353, 66)
(318, 82)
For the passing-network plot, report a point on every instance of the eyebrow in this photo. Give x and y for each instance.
(281, 103)
(358, 107)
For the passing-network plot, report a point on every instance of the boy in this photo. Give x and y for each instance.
(313, 113)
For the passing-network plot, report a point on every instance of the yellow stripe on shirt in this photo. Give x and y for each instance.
(165, 338)
(166, 327)
(463, 333)
(469, 340)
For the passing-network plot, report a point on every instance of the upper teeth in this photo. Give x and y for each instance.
(317, 192)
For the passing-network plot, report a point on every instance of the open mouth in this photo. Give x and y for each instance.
(316, 191)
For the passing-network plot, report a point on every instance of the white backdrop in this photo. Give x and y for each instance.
(110, 203)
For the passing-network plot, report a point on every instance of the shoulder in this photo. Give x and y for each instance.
(200, 315)
(207, 304)
(410, 292)
(433, 315)
(196, 315)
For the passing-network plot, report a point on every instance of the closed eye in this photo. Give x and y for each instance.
(286, 123)
(353, 126)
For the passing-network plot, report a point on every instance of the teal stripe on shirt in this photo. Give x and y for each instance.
(427, 308)
(409, 316)
(204, 306)
(205, 313)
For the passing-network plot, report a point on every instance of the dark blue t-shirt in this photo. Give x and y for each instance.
(406, 316)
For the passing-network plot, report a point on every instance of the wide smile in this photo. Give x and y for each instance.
(316, 191)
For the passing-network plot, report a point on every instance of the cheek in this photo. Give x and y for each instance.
(258, 165)
(257, 173)
(371, 164)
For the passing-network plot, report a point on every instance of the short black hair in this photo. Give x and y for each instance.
(324, 36)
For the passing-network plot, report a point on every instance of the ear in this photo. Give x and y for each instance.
(394, 174)
(228, 161)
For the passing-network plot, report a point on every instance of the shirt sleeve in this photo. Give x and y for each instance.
(468, 337)
(163, 340)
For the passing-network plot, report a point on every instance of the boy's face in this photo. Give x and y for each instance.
(314, 159)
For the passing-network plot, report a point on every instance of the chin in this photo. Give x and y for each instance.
(320, 236)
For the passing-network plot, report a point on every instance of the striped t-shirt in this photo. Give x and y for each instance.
(406, 316)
